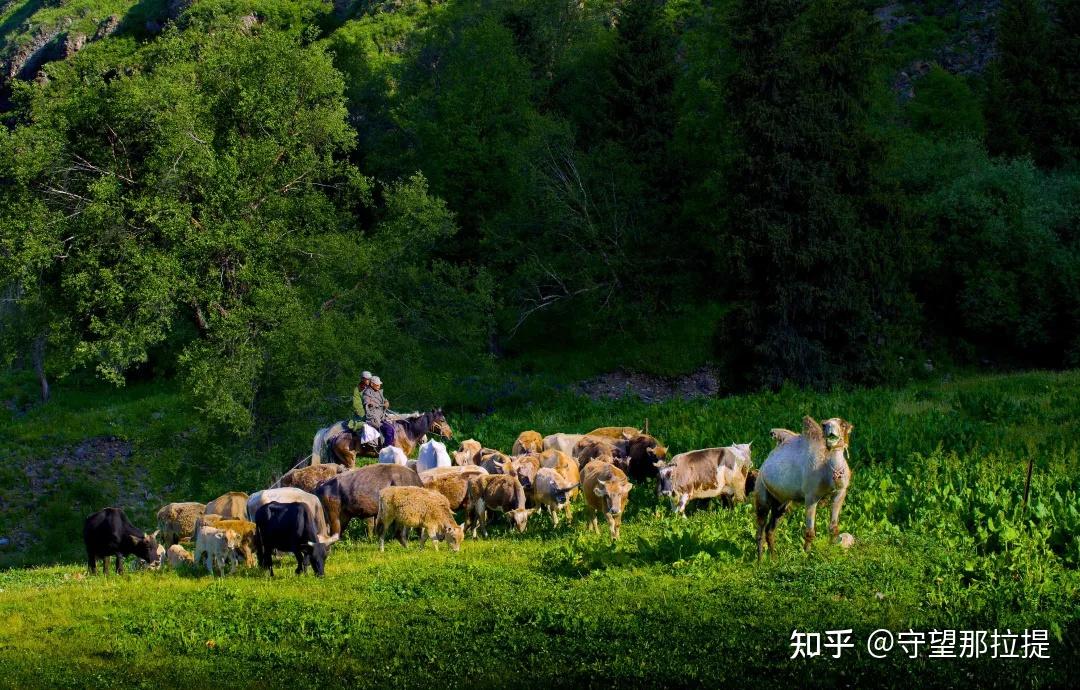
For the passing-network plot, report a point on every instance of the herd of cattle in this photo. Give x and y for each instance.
(311, 507)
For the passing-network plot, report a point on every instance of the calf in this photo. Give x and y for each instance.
(176, 521)
(218, 547)
(528, 442)
(707, 473)
(108, 532)
(404, 507)
(606, 490)
(230, 505)
(552, 491)
(311, 477)
(178, 556)
(290, 527)
(500, 492)
(355, 494)
(244, 529)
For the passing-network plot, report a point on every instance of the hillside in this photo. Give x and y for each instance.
(942, 542)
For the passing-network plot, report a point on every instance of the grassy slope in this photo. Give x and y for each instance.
(942, 542)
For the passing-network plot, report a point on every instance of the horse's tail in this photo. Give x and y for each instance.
(317, 446)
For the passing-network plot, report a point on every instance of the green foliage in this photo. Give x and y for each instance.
(944, 105)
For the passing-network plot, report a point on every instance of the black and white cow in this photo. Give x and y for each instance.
(289, 527)
(108, 532)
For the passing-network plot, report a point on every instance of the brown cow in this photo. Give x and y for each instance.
(564, 465)
(309, 478)
(501, 492)
(526, 467)
(355, 494)
(454, 485)
(552, 491)
(230, 505)
(589, 449)
(495, 462)
(705, 473)
(469, 453)
(618, 433)
(528, 442)
(606, 491)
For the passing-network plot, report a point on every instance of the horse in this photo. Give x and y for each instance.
(344, 446)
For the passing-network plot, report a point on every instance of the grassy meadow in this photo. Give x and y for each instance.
(943, 542)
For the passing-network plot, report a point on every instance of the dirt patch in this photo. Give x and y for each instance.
(703, 383)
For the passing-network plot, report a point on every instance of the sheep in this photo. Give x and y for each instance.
(176, 521)
(404, 507)
(309, 478)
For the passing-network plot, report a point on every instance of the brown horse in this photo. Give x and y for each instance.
(344, 446)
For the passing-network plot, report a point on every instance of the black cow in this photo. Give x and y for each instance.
(108, 532)
(289, 527)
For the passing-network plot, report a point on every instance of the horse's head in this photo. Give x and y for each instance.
(439, 424)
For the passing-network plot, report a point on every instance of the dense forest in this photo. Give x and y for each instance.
(259, 198)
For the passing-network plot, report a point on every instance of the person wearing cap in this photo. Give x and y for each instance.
(375, 406)
(358, 396)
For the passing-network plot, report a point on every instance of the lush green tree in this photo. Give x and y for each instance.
(199, 191)
(823, 276)
(1020, 93)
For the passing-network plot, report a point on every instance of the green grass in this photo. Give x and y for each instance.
(942, 542)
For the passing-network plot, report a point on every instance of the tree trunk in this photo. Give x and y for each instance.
(38, 354)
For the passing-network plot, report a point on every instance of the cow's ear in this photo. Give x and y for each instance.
(659, 464)
(848, 427)
(628, 487)
(599, 490)
(311, 544)
(135, 541)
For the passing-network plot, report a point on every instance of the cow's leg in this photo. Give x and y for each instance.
(554, 516)
(119, 564)
(777, 511)
(370, 522)
(811, 513)
(333, 515)
(483, 521)
(403, 536)
(681, 508)
(380, 529)
(91, 561)
(834, 514)
(761, 515)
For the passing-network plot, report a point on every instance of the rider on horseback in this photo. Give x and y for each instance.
(375, 407)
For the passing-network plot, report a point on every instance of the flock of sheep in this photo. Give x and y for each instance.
(396, 494)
